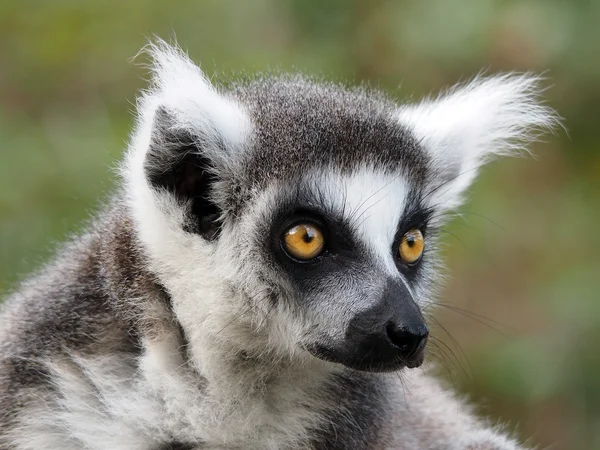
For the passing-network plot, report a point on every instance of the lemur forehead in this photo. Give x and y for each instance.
(300, 126)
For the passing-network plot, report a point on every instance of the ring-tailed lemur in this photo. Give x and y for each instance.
(258, 281)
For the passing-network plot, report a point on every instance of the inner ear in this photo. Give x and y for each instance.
(175, 162)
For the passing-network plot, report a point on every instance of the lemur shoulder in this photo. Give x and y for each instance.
(259, 279)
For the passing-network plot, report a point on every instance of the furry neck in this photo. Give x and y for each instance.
(232, 398)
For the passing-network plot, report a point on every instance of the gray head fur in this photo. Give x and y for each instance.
(180, 320)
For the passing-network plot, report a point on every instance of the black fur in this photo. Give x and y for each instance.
(297, 126)
(176, 162)
(101, 296)
(177, 446)
(363, 397)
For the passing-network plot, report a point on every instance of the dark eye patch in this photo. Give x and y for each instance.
(339, 239)
(415, 217)
(342, 251)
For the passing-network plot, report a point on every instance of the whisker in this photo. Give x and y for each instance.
(483, 320)
(443, 357)
(436, 188)
(361, 204)
(486, 218)
(469, 374)
(456, 237)
(245, 310)
(456, 343)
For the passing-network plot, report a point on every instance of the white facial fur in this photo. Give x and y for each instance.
(211, 282)
(248, 383)
(372, 202)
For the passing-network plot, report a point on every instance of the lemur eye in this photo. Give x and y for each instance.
(304, 241)
(411, 246)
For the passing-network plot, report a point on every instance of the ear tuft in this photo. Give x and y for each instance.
(188, 137)
(471, 123)
(178, 85)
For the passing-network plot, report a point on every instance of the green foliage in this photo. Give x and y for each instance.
(524, 254)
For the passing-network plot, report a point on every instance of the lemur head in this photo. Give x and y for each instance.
(298, 219)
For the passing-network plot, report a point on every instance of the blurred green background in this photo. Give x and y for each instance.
(522, 308)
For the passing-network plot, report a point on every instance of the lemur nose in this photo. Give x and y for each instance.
(410, 341)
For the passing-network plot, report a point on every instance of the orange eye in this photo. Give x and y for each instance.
(411, 246)
(304, 241)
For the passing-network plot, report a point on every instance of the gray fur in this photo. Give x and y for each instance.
(175, 323)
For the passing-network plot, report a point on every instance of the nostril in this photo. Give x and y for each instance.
(408, 341)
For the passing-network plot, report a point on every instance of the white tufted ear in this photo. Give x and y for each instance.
(179, 88)
(187, 136)
(471, 123)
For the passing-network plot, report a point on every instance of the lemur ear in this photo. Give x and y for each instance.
(188, 137)
(472, 123)
(175, 163)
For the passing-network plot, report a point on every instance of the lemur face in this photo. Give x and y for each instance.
(352, 250)
(299, 219)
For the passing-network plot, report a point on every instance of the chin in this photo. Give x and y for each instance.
(366, 362)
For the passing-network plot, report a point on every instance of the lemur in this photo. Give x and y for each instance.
(259, 278)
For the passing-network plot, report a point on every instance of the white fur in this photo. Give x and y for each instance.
(470, 124)
(273, 402)
(372, 202)
(137, 413)
(179, 85)
(234, 410)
